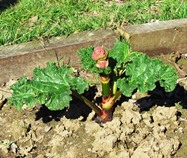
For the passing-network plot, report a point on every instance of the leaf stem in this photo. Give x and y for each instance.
(105, 82)
(107, 103)
(114, 88)
(117, 95)
(88, 102)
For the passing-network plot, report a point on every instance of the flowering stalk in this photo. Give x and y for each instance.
(105, 82)
(108, 100)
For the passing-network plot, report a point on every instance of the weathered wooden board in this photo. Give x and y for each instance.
(155, 38)
(20, 59)
(158, 37)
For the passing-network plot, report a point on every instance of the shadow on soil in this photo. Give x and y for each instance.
(160, 98)
(4, 4)
(76, 109)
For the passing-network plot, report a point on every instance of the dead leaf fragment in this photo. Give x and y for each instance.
(33, 20)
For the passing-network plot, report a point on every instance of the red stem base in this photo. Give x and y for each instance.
(106, 116)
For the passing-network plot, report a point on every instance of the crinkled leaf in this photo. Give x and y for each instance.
(50, 86)
(53, 74)
(79, 85)
(168, 78)
(125, 86)
(22, 94)
(121, 53)
(142, 74)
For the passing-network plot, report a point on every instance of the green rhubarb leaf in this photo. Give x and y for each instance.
(51, 86)
(143, 72)
(79, 85)
(121, 53)
(126, 87)
(22, 93)
(85, 55)
(168, 78)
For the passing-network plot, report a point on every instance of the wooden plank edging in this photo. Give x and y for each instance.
(160, 37)
(20, 59)
(155, 38)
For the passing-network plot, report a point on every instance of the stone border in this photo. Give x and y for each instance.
(154, 38)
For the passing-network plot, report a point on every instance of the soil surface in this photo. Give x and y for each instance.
(151, 125)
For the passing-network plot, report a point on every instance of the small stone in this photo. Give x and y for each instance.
(13, 148)
(47, 129)
(80, 118)
(91, 116)
(163, 129)
(181, 129)
(64, 133)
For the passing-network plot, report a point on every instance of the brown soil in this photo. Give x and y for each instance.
(152, 125)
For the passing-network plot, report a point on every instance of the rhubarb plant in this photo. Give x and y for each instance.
(121, 71)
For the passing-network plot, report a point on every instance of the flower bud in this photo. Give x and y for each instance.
(99, 53)
(102, 64)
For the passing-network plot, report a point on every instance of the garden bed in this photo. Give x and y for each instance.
(146, 125)
(150, 125)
